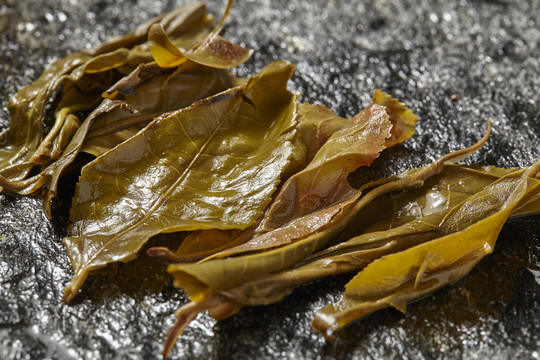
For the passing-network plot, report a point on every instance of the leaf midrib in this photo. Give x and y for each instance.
(162, 197)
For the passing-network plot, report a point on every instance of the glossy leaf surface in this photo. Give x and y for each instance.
(221, 278)
(311, 198)
(131, 104)
(316, 123)
(214, 274)
(453, 185)
(150, 91)
(465, 235)
(83, 76)
(213, 51)
(214, 164)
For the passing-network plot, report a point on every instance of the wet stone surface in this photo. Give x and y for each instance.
(453, 63)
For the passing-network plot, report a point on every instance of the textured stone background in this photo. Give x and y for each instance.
(423, 52)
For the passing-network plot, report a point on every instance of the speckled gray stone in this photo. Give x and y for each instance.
(453, 62)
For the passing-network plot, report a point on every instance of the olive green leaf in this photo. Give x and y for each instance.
(218, 278)
(214, 164)
(465, 235)
(316, 123)
(208, 276)
(131, 104)
(402, 118)
(213, 51)
(213, 285)
(311, 198)
(82, 76)
(315, 188)
(450, 187)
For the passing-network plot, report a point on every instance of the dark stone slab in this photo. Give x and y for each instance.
(453, 62)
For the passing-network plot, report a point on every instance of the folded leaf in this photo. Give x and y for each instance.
(214, 164)
(453, 185)
(316, 124)
(467, 233)
(213, 51)
(457, 182)
(214, 283)
(442, 192)
(311, 198)
(130, 105)
(81, 92)
(30, 141)
(215, 274)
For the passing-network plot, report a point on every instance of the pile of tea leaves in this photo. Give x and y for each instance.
(251, 186)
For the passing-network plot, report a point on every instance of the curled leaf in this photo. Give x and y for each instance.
(214, 274)
(466, 234)
(213, 164)
(403, 119)
(224, 276)
(316, 124)
(183, 20)
(31, 141)
(457, 182)
(213, 51)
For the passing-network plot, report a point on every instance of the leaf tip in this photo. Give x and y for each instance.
(72, 289)
(324, 323)
(69, 294)
(403, 119)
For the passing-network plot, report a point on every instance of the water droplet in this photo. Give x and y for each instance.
(29, 26)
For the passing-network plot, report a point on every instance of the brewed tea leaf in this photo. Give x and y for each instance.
(214, 283)
(213, 51)
(83, 76)
(466, 234)
(316, 123)
(214, 164)
(319, 194)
